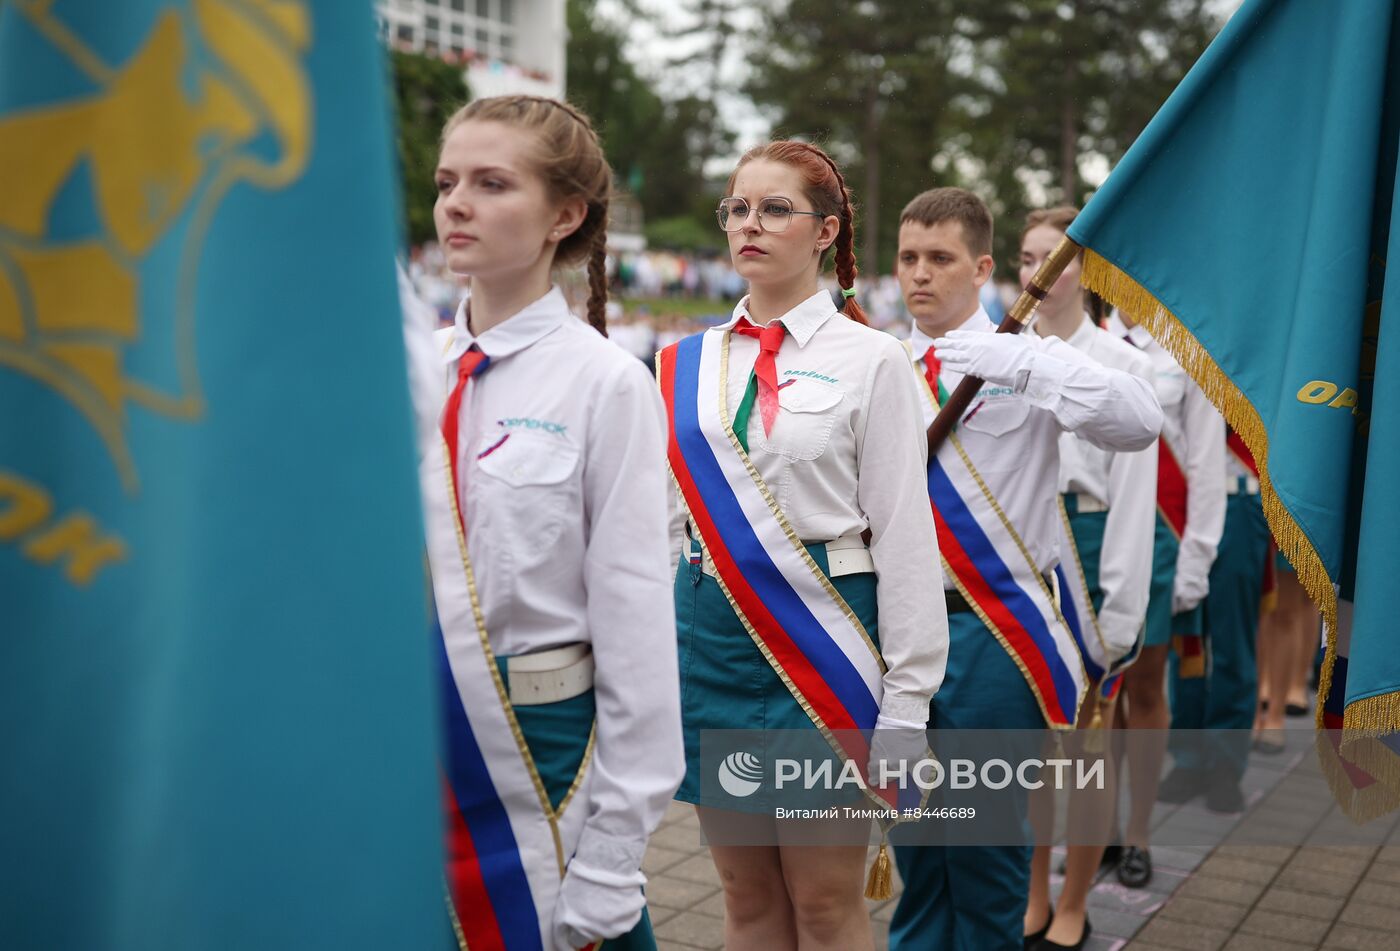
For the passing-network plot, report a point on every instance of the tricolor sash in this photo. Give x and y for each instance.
(798, 620)
(507, 847)
(1077, 607)
(989, 564)
(1171, 489)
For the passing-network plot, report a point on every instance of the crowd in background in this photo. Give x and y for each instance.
(661, 296)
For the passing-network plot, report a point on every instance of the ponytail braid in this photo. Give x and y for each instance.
(598, 283)
(844, 246)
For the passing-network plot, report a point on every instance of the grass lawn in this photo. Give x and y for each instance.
(683, 306)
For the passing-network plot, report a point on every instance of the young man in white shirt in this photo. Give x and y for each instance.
(1034, 389)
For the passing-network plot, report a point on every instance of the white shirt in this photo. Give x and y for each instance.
(1195, 431)
(847, 453)
(1013, 440)
(1127, 483)
(566, 529)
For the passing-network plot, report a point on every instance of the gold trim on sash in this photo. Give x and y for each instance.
(503, 695)
(806, 556)
(1081, 577)
(948, 572)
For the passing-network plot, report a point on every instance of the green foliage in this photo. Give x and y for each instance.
(427, 92)
(1002, 96)
(685, 233)
(870, 82)
(656, 147)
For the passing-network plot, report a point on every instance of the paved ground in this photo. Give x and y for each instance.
(1236, 895)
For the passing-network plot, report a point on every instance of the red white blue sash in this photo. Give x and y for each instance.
(1083, 621)
(796, 617)
(507, 847)
(988, 563)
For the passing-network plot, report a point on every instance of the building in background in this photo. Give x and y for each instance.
(506, 46)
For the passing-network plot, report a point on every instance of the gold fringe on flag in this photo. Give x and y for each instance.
(1361, 805)
(1130, 297)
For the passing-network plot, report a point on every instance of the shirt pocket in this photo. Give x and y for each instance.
(527, 488)
(995, 419)
(1171, 387)
(807, 413)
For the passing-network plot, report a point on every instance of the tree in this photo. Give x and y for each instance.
(427, 91)
(1064, 79)
(655, 147)
(869, 81)
(1005, 97)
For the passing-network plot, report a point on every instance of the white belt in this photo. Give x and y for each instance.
(1242, 485)
(846, 555)
(1085, 503)
(550, 676)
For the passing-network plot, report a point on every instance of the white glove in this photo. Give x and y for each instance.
(1003, 359)
(1187, 592)
(594, 904)
(895, 746)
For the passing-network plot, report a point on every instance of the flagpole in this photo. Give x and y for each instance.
(1015, 321)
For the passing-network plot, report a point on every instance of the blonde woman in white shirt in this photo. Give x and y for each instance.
(797, 446)
(545, 497)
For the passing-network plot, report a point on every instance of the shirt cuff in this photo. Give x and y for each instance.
(611, 854)
(1045, 380)
(904, 712)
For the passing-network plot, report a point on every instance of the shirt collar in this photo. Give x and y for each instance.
(919, 342)
(802, 322)
(513, 334)
(1083, 334)
(1137, 334)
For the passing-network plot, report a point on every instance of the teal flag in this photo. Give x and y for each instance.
(215, 703)
(1249, 228)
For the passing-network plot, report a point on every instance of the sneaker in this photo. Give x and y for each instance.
(1135, 870)
(1224, 794)
(1181, 785)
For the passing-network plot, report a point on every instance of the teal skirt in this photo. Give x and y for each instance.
(728, 685)
(1160, 623)
(557, 736)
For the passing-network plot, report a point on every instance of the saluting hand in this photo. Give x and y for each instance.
(1003, 359)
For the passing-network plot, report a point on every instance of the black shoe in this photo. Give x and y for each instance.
(1047, 945)
(1035, 937)
(1135, 870)
(1295, 709)
(1181, 785)
(1224, 794)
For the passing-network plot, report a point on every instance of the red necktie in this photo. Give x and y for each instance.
(472, 363)
(932, 366)
(770, 340)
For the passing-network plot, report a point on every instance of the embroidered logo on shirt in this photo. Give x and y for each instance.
(813, 374)
(995, 392)
(527, 422)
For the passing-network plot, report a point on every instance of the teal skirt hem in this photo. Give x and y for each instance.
(727, 684)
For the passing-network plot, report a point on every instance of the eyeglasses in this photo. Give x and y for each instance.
(774, 214)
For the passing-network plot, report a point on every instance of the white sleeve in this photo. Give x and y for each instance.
(1204, 430)
(638, 759)
(1108, 408)
(892, 491)
(425, 370)
(1125, 564)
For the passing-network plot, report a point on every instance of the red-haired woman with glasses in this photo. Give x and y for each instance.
(796, 444)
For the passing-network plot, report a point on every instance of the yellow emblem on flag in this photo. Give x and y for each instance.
(162, 140)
